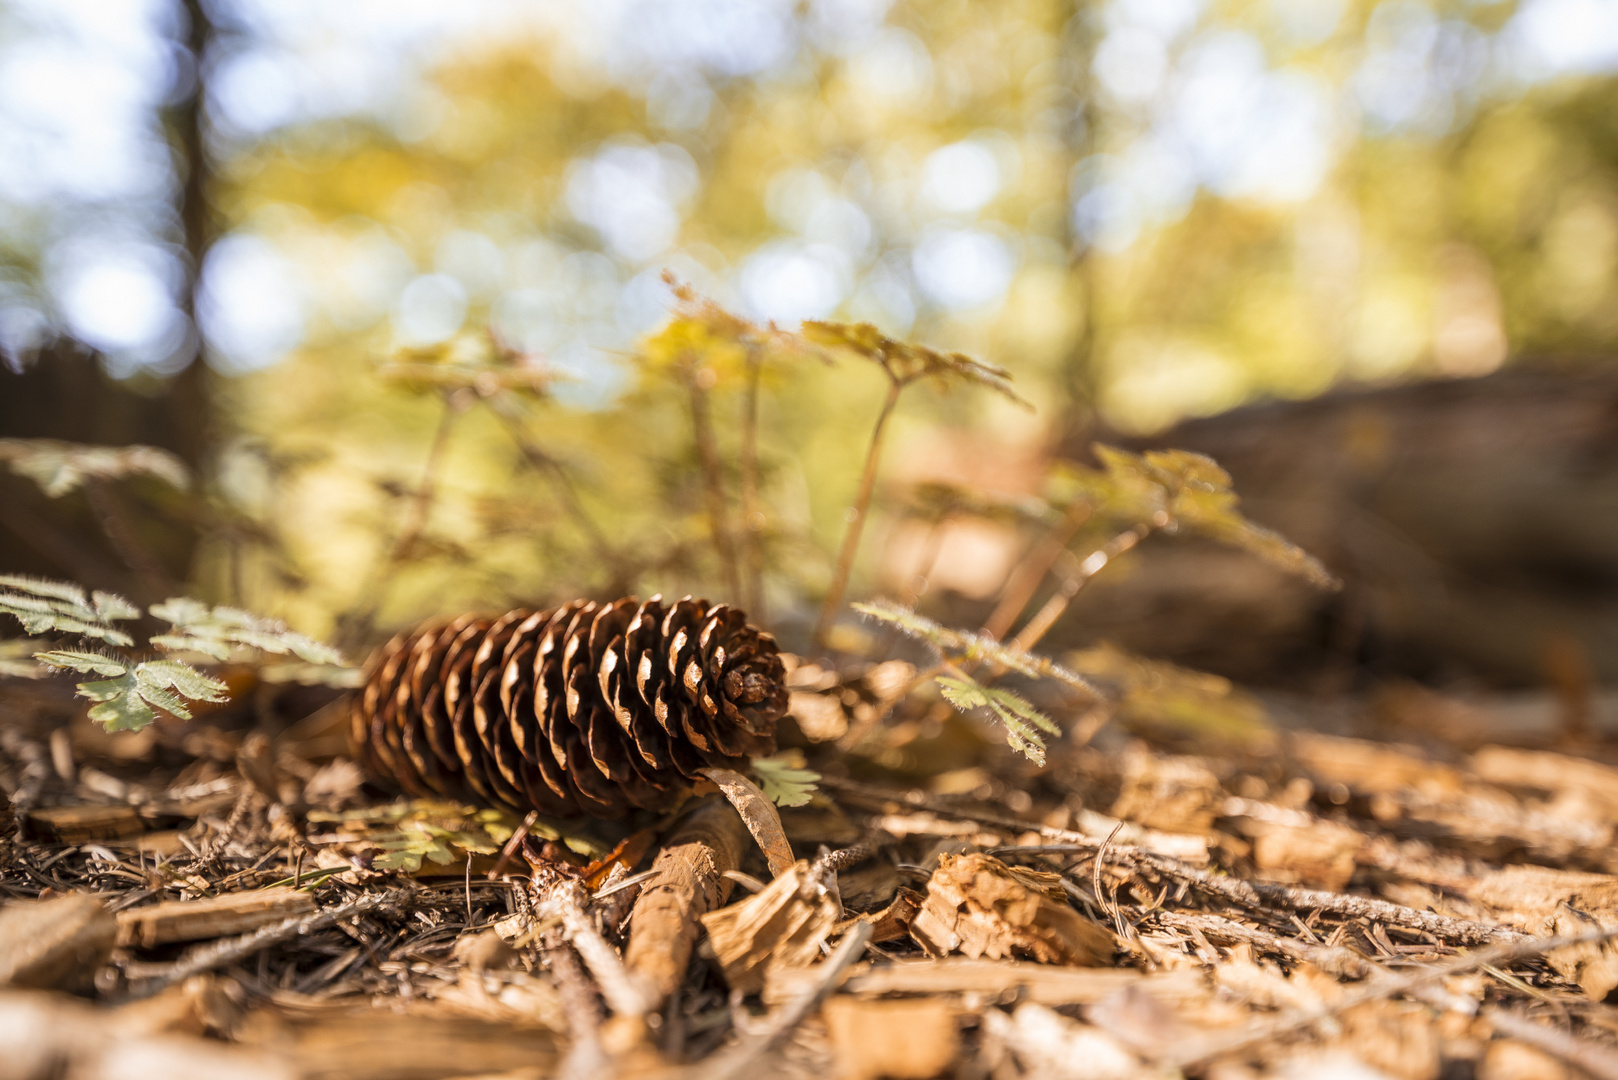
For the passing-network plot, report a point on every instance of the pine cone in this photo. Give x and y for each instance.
(588, 708)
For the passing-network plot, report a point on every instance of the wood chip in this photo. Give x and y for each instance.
(218, 916)
(785, 925)
(55, 944)
(893, 922)
(1042, 983)
(903, 1040)
(1320, 854)
(979, 906)
(78, 824)
(1174, 794)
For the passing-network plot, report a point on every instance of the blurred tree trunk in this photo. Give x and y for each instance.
(1474, 521)
(65, 394)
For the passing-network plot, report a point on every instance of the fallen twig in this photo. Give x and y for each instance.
(625, 993)
(1264, 895)
(663, 926)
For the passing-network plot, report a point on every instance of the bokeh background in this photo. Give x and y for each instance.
(219, 218)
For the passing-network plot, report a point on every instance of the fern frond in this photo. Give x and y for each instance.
(60, 467)
(784, 780)
(17, 660)
(84, 662)
(1017, 714)
(46, 606)
(1181, 491)
(906, 362)
(215, 631)
(127, 699)
(969, 647)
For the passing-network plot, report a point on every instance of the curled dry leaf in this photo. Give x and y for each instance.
(758, 813)
(979, 906)
(784, 925)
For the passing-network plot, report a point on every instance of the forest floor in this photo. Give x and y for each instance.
(1313, 904)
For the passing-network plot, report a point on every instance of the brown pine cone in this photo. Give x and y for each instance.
(588, 708)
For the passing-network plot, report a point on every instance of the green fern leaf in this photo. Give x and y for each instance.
(783, 779)
(88, 662)
(1015, 712)
(216, 631)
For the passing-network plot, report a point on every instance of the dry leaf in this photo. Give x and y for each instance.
(1397, 1038)
(783, 925)
(1594, 964)
(1530, 897)
(979, 906)
(903, 1040)
(1508, 1059)
(758, 813)
(1370, 768)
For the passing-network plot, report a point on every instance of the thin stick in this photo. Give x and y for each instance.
(664, 923)
(114, 519)
(624, 992)
(512, 844)
(856, 518)
(714, 482)
(422, 500)
(753, 520)
(1046, 617)
(1260, 895)
(1022, 586)
(586, 1058)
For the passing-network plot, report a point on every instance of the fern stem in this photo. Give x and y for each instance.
(752, 512)
(1046, 617)
(856, 518)
(713, 479)
(1025, 582)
